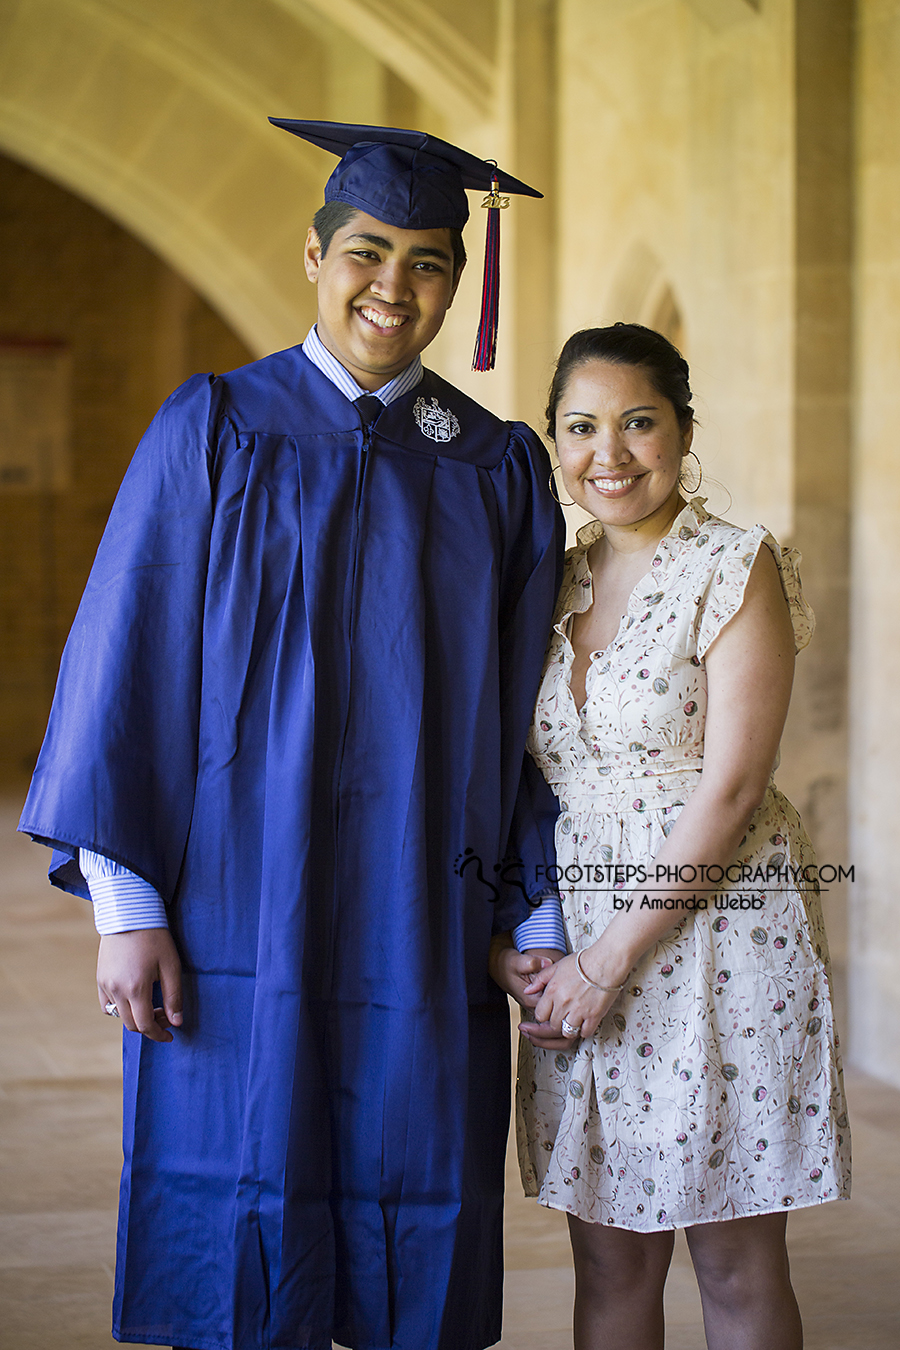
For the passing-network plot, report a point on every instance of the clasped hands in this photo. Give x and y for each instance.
(550, 987)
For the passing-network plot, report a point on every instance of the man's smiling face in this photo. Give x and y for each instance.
(382, 294)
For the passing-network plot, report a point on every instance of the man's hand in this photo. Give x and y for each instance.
(128, 966)
(514, 970)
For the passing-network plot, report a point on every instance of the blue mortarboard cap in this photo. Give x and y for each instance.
(418, 182)
(405, 178)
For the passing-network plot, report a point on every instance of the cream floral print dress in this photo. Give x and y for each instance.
(713, 1088)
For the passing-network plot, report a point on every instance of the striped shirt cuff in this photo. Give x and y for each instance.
(543, 928)
(122, 902)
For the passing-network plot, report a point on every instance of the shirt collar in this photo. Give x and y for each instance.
(314, 350)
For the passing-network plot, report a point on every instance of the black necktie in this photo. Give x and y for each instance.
(369, 407)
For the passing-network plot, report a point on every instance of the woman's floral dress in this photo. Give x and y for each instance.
(713, 1088)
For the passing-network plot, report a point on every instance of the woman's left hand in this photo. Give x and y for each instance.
(564, 997)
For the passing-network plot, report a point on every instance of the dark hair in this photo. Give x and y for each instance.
(330, 218)
(626, 344)
(333, 216)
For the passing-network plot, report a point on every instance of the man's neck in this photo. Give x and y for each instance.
(325, 361)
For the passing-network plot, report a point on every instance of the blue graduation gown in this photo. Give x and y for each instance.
(296, 691)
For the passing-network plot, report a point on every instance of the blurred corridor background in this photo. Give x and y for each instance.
(725, 170)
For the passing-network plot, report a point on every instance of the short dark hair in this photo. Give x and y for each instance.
(330, 218)
(333, 216)
(626, 344)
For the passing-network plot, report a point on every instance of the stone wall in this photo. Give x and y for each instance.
(706, 158)
(875, 495)
(727, 170)
(133, 330)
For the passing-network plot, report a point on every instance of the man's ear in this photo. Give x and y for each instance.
(312, 255)
(459, 272)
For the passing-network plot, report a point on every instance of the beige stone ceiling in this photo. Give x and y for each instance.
(155, 111)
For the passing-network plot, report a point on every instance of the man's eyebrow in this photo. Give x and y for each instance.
(375, 239)
(419, 251)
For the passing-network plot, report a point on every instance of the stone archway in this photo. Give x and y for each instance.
(160, 121)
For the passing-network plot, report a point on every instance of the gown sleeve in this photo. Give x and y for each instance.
(116, 773)
(728, 582)
(533, 534)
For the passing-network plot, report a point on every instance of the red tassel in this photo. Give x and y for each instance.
(486, 341)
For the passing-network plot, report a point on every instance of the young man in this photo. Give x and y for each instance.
(291, 711)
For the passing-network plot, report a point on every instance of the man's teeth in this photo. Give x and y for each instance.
(383, 320)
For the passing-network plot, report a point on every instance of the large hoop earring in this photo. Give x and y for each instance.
(551, 481)
(681, 479)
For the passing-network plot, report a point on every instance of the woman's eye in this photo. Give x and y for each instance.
(639, 423)
(581, 428)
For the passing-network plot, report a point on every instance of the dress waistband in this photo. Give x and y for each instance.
(634, 780)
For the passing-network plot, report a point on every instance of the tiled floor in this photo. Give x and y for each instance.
(59, 1150)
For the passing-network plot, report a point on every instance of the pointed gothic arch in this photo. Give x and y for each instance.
(641, 292)
(161, 123)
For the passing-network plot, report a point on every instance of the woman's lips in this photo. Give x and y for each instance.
(613, 487)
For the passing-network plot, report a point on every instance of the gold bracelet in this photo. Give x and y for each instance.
(607, 988)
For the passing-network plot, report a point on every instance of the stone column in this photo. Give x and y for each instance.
(875, 640)
(528, 87)
(816, 737)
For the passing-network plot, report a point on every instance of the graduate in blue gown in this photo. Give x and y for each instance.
(291, 715)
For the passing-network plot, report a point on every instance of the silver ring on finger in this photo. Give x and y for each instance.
(110, 1009)
(568, 1030)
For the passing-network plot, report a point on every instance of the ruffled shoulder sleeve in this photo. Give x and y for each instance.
(576, 593)
(727, 584)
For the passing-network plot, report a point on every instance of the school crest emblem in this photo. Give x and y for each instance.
(435, 422)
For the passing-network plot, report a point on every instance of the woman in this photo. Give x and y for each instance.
(703, 1087)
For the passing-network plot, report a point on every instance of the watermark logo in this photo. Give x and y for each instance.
(511, 871)
(690, 902)
(734, 885)
(598, 876)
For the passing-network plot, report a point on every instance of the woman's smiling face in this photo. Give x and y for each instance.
(619, 443)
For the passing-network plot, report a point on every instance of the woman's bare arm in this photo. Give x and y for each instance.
(749, 673)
